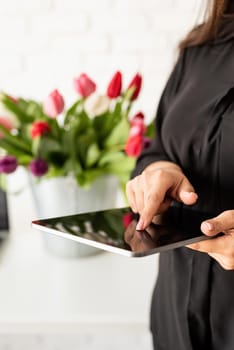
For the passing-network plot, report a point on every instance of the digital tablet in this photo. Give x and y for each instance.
(115, 230)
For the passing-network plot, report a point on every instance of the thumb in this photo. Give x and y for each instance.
(187, 193)
(221, 223)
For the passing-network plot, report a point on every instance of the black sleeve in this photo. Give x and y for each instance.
(156, 152)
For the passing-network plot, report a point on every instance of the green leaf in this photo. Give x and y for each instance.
(100, 126)
(70, 149)
(50, 150)
(110, 157)
(118, 109)
(150, 130)
(54, 171)
(79, 123)
(23, 133)
(45, 147)
(119, 134)
(14, 141)
(9, 148)
(77, 119)
(56, 130)
(93, 154)
(32, 109)
(36, 146)
(3, 182)
(72, 111)
(17, 108)
(129, 93)
(105, 123)
(82, 144)
(124, 166)
(86, 178)
(56, 158)
(72, 166)
(68, 141)
(24, 159)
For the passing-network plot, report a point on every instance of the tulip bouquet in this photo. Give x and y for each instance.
(95, 136)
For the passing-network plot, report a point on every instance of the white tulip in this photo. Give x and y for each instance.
(96, 105)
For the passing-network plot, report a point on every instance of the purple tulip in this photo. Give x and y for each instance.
(38, 167)
(8, 164)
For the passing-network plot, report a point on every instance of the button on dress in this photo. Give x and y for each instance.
(193, 301)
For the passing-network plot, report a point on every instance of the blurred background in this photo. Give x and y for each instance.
(100, 302)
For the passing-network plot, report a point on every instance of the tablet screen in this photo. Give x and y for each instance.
(115, 230)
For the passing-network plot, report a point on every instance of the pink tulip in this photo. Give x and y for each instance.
(54, 104)
(137, 125)
(6, 123)
(83, 85)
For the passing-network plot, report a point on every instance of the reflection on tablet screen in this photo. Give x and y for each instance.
(115, 230)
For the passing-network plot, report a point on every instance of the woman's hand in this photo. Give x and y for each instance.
(222, 247)
(151, 192)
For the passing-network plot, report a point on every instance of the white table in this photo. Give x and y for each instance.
(52, 303)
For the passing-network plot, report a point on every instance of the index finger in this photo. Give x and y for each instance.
(153, 199)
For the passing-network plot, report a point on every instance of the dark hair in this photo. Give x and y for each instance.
(214, 12)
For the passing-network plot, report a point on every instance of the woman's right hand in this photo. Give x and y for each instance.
(151, 192)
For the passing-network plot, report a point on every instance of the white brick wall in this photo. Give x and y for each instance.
(44, 43)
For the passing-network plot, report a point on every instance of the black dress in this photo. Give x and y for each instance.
(193, 301)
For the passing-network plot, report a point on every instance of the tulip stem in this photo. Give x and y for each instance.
(3, 182)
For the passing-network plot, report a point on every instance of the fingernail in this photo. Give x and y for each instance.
(190, 193)
(140, 225)
(186, 193)
(208, 225)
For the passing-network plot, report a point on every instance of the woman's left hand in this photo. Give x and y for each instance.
(220, 248)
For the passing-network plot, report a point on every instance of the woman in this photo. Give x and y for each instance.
(191, 162)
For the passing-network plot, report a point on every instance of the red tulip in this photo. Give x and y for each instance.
(136, 83)
(134, 145)
(84, 85)
(39, 128)
(54, 104)
(115, 86)
(6, 123)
